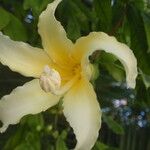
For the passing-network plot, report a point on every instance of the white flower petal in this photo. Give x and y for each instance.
(53, 35)
(85, 46)
(24, 100)
(21, 57)
(83, 113)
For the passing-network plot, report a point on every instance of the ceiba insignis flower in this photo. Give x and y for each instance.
(61, 68)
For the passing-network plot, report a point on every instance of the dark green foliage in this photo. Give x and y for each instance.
(138, 37)
(37, 6)
(103, 11)
(5, 19)
(113, 125)
(122, 128)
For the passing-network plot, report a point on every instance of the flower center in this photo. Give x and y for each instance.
(76, 69)
(87, 71)
(50, 80)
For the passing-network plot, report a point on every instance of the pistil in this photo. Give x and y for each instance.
(50, 80)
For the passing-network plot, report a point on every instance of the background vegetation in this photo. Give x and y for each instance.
(126, 112)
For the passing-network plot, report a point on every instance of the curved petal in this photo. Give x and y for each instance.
(21, 57)
(83, 113)
(28, 99)
(53, 35)
(85, 46)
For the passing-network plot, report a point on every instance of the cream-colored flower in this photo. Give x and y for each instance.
(61, 68)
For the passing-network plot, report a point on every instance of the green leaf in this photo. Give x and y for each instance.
(73, 29)
(33, 140)
(63, 134)
(14, 140)
(4, 18)
(138, 38)
(146, 19)
(35, 122)
(77, 21)
(146, 79)
(23, 146)
(15, 29)
(109, 62)
(115, 71)
(60, 144)
(100, 146)
(118, 16)
(103, 12)
(36, 5)
(84, 11)
(113, 125)
(139, 4)
(80, 13)
(107, 57)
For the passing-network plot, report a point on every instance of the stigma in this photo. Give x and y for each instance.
(50, 80)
